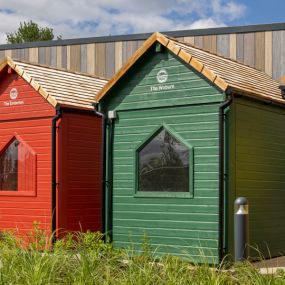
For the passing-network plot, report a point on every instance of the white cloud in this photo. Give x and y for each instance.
(87, 18)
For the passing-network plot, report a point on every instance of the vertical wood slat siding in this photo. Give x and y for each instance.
(53, 56)
(100, 59)
(68, 50)
(249, 48)
(260, 51)
(59, 56)
(278, 62)
(240, 47)
(255, 49)
(48, 56)
(8, 52)
(198, 41)
(118, 55)
(33, 55)
(223, 45)
(2, 54)
(189, 40)
(64, 57)
(260, 166)
(90, 58)
(174, 225)
(110, 59)
(83, 58)
(210, 43)
(233, 46)
(268, 53)
(42, 55)
(75, 51)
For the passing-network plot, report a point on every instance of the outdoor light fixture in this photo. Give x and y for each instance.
(112, 114)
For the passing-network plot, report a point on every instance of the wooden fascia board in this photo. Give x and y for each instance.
(3, 64)
(35, 85)
(194, 63)
(257, 96)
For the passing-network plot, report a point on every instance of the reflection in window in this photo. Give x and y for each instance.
(163, 164)
(9, 167)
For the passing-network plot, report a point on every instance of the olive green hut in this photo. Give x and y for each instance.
(188, 131)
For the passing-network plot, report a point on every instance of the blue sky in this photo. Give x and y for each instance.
(90, 18)
(262, 12)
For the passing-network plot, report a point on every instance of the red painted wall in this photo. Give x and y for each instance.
(79, 193)
(29, 117)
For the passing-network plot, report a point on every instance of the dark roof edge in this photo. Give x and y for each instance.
(143, 36)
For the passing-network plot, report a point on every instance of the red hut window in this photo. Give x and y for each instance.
(17, 167)
(9, 167)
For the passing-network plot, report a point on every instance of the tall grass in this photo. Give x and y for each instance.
(83, 258)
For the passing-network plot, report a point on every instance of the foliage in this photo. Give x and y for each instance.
(83, 258)
(30, 32)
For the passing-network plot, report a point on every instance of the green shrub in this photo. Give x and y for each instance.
(84, 258)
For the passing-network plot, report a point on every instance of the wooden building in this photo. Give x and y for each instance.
(189, 131)
(259, 46)
(50, 149)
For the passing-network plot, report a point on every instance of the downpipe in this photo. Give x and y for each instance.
(53, 173)
(222, 108)
(103, 169)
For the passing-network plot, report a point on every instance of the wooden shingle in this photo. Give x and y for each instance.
(223, 72)
(59, 87)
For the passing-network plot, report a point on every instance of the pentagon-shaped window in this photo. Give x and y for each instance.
(9, 167)
(164, 163)
(17, 166)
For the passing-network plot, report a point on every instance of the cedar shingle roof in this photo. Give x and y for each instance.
(225, 73)
(59, 87)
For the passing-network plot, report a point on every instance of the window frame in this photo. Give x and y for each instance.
(20, 192)
(164, 194)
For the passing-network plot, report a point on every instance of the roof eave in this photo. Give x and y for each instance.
(35, 85)
(266, 99)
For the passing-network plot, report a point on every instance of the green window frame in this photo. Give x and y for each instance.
(171, 194)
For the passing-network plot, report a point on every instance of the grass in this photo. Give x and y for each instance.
(86, 259)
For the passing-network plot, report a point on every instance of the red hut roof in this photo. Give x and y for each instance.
(58, 87)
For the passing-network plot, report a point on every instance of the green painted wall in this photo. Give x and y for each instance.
(134, 92)
(257, 167)
(184, 226)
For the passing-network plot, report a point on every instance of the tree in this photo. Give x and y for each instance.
(30, 32)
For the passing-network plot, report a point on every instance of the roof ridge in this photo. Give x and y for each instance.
(59, 69)
(218, 55)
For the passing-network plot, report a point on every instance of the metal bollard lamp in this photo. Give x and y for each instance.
(241, 229)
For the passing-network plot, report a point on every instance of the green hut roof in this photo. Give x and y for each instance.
(226, 74)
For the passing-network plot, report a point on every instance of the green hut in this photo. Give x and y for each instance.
(188, 131)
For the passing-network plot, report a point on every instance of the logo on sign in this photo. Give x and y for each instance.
(13, 93)
(162, 76)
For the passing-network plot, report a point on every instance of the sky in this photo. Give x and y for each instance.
(91, 18)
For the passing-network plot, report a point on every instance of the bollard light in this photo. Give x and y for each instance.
(241, 229)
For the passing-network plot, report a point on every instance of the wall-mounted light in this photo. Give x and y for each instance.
(112, 114)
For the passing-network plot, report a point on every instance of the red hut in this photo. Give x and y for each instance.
(50, 149)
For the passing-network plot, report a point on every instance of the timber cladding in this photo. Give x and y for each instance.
(260, 46)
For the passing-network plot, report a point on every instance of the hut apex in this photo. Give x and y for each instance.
(193, 131)
(50, 149)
